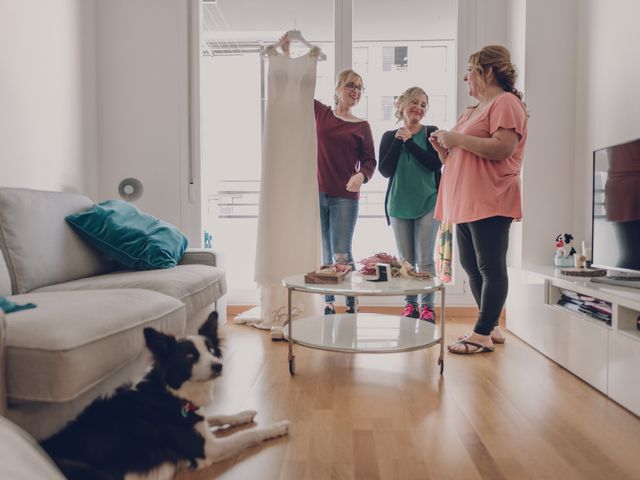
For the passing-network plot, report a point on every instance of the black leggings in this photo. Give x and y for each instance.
(483, 254)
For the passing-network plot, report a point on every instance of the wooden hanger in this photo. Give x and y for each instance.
(295, 35)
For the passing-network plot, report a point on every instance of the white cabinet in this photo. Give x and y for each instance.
(605, 356)
(624, 371)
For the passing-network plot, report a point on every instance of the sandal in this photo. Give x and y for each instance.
(495, 340)
(477, 348)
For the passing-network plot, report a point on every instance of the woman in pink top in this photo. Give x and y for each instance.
(480, 188)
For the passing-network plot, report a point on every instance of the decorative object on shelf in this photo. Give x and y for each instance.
(584, 272)
(564, 251)
(208, 239)
(328, 274)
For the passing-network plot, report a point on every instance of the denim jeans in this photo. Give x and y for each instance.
(483, 254)
(337, 221)
(416, 242)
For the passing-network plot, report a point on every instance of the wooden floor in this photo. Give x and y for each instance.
(511, 414)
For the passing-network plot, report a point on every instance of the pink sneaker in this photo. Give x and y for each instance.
(410, 310)
(427, 314)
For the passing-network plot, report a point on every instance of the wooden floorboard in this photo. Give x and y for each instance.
(511, 414)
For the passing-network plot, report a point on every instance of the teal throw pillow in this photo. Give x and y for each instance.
(134, 239)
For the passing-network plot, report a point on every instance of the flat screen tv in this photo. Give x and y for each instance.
(616, 212)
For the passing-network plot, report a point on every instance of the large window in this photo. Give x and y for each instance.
(390, 53)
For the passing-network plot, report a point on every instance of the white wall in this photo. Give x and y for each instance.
(550, 79)
(47, 95)
(607, 82)
(143, 103)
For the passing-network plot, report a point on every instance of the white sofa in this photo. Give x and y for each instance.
(84, 338)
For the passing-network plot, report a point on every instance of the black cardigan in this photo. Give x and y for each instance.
(390, 148)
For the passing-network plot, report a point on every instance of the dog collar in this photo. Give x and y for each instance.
(187, 407)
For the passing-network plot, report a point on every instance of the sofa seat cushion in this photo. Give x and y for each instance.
(73, 340)
(195, 285)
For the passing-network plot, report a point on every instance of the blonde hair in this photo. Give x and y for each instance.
(406, 98)
(498, 59)
(343, 78)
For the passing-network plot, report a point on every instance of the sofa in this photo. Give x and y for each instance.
(84, 337)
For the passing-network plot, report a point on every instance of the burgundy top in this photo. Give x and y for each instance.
(344, 148)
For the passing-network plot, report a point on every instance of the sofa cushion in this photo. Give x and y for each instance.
(74, 340)
(195, 285)
(39, 247)
(136, 240)
(21, 458)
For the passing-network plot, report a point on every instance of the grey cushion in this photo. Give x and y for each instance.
(21, 458)
(5, 278)
(73, 340)
(195, 285)
(38, 245)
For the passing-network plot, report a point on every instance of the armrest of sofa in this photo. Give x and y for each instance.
(201, 256)
(3, 366)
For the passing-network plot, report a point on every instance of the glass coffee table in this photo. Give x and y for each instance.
(364, 332)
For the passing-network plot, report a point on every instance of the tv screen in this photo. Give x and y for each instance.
(616, 209)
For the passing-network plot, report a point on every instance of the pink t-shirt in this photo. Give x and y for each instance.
(472, 187)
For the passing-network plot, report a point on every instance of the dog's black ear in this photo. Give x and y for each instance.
(209, 329)
(159, 343)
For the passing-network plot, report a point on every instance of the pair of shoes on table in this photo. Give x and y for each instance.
(350, 309)
(411, 311)
(427, 314)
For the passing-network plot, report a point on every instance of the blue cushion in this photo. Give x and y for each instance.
(136, 240)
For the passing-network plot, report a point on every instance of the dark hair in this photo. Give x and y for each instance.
(498, 59)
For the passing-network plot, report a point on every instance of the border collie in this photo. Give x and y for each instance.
(156, 428)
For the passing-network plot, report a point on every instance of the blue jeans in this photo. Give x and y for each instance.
(416, 242)
(337, 221)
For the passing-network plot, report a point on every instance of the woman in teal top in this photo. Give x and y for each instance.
(412, 166)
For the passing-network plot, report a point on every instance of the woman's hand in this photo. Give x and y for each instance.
(285, 44)
(443, 152)
(446, 139)
(355, 182)
(403, 134)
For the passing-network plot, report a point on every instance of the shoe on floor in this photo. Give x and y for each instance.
(411, 311)
(350, 309)
(427, 314)
(470, 348)
(329, 309)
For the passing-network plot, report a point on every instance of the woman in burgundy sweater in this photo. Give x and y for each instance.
(346, 160)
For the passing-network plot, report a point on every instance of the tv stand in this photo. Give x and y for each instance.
(604, 355)
(629, 282)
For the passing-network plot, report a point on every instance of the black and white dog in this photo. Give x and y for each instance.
(156, 428)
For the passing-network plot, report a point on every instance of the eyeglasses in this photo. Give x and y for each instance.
(353, 86)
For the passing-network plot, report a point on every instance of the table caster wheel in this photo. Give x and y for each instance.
(441, 363)
(292, 365)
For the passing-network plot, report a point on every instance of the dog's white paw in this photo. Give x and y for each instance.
(245, 416)
(277, 429)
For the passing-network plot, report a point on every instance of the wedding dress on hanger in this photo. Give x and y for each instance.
(288, 240)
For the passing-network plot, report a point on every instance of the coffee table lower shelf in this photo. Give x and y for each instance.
(363, 333)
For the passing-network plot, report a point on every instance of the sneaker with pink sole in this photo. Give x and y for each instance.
(411, 311)
(427, 314)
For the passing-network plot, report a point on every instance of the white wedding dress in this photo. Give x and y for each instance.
(288, 240)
